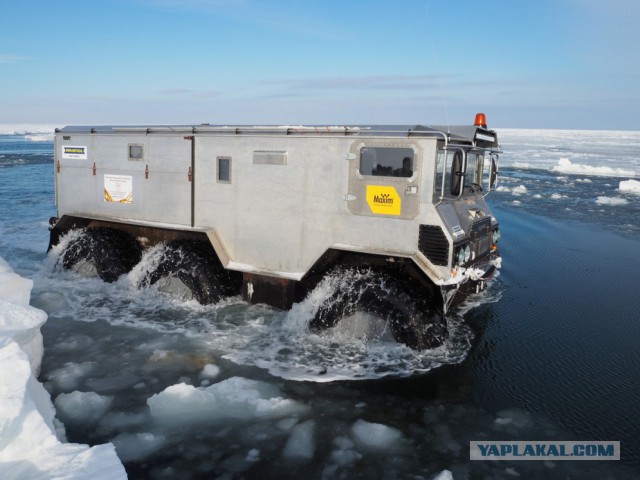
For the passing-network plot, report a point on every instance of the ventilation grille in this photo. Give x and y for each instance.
(433, 243)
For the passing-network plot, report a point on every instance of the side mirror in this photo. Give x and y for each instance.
(456, 174)
(493, 173)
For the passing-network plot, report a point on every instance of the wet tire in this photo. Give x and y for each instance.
(414, 317)
(106, 251)
(196, 265)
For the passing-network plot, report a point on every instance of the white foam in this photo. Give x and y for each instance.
(630, 186)
(375, 436)
(29, 435)
(612, 201)
(235, 398)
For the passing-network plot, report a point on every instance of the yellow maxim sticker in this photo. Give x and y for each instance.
(384, 200)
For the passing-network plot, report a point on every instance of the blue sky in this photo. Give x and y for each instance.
(527, 64)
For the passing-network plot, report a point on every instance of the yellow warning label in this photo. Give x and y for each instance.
(384, 200)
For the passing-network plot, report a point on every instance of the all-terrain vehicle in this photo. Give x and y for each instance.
(272, 211)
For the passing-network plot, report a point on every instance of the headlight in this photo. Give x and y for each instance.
(464, 254)
(496, 235)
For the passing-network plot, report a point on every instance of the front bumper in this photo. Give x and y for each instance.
(470, 280)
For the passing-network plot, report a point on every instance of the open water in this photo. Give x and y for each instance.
(549, 352)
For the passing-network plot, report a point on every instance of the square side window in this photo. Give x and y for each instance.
(136, 152)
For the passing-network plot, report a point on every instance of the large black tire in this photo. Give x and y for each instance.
(198, 268)
(111, 252)
(413, 315)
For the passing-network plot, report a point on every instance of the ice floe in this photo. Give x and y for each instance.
(613, 201)
(301, 444)
(375, 436)
(630, 186)
(234, 398)
(566, 166)
(26, 128)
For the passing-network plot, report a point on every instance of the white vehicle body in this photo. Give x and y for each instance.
(274, 202)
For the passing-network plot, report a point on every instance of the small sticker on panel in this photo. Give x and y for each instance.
(74, 151)
(118, 189)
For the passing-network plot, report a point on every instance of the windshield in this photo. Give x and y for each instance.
(451, 162)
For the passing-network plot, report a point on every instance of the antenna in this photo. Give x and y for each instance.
(436, 62)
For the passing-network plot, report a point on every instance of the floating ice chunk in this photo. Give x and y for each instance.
(210, 371)
(253, 455)
(82, 407)
(519, 190)
(565, 166)
(344, 453)
(630, 186)
(557, 196)
(523, 165)
(444, 475)
(511, 471)
(513, 419)
(235, 398)
(613, 201)
(537, 195)
(583, 180)
(68, 377)
(122, 421)
(516, 202)
(375, 436)
(301, 444)
(287, 424)
(133, 447)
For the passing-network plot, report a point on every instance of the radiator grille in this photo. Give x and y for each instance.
(433, 243)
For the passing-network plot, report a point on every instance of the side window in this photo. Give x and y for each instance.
(224, 169)
(440, 165)
(136, 152)
(386, 161)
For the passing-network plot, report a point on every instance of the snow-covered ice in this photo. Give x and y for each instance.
(29, 443)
